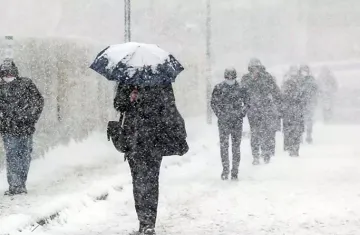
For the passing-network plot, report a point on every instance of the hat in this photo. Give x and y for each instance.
(8, 68)
(230, 73)
(255, 63)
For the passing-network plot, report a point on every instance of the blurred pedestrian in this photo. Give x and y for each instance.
(21, 105)
(265, 100)
(230, 103)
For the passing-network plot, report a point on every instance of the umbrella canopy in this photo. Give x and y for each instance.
(137, 64)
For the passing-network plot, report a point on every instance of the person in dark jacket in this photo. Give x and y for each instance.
(293, 107)
(310, 89)
(277, 119)
(155, 129)
(265, 101)
(230, 103)
(21, 105)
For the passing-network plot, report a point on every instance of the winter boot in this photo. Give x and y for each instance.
(234, 177)
(256, 161)
(267, 159)
(234, 174)
(294, 153)
(9, 192)
(140, 231)
(19, 190)
(272, 153)
(22, 190)
(148, 231)
(225, 175)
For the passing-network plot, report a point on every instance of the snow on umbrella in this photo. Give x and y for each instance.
(137, 64)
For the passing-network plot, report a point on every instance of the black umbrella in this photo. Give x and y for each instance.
(137, 64)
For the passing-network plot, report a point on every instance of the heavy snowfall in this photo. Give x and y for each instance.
(79, 183)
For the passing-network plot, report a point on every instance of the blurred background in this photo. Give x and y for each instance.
(56, 40)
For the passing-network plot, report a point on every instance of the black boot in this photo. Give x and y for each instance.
(10, 192)
(140, 231)
(17, 190)
(234, 174)
(267, 159)
(225, 175)
(149, 230)
(256, 161)
(22, 190)
(294, 153)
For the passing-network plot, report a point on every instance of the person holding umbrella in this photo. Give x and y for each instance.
(154, 126)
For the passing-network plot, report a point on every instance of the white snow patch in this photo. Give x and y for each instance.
(136, 55)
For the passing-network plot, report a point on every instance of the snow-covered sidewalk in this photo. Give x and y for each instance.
(57, 180)
(318, 193)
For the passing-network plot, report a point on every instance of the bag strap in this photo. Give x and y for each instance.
(123, 119)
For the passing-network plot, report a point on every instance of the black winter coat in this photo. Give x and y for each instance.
(21, 105)
(230, 103)
(152, 122)
(265, 99)
(294, 104)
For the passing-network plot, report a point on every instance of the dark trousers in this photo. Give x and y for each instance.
(235, 132)
(145, 170)
(272, 143)
(293, 130)
(292, 139)
(18, 157)
(262, 137)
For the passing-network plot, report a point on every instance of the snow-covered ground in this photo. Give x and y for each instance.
(318, 193)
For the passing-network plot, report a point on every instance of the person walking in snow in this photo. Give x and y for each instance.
(155, 129)
(310, 89)
(265, 100)
(21, 105)
(328, 87)
(230, 103)
(277, 119)
(293, 107)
